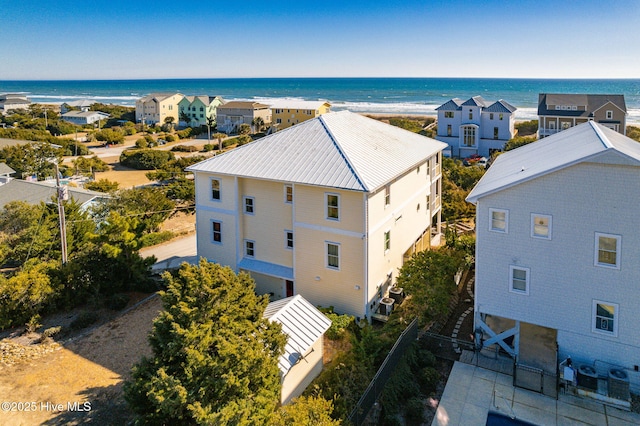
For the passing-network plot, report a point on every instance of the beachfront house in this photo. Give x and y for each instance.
(475, 126)
(236, 113)
(304, 326)
(287, 112)
(79, 105)
(13, 102)
(84, 117)
(558, 111)
(329, 209)
(156, 107)
(196, 110)
(557, 252)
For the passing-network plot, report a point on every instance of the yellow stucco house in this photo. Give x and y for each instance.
(287, 112)
(328, 209)
(155, 108)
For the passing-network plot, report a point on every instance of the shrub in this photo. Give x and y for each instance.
(170, 138)
(33, 324)
(155, 238)
(118, 301)
(83, 320)
(209, 147)
(102, 185)
(414, 411)
(184, 148)
(526, 128)
(146, 159)
(142, 143)
(185, 133)
(339, 325)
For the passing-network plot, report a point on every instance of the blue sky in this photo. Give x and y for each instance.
(88, 39)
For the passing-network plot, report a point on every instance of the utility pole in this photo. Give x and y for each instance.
(63, 195)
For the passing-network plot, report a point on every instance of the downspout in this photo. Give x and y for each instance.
(365, 242)
(237, 222)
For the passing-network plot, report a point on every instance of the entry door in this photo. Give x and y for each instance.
(289, 288)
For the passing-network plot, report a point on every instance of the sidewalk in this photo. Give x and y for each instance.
(471, 392)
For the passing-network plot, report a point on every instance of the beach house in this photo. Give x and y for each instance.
(156, 107)
(560, 111)
(196, 110)
(475, 126)
(236, 113)
(13, 101)
(287, 112)
(328, 209)
(557, 254)
(84, 117)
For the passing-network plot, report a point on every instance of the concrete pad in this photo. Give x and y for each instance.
(447, 417)
(565, 421)
(504, 379)
(614, 414)
(533, 399)
(587, 404)
(504, 393)
(581, 414)
(534, 415)
(473, 415)
(485, 374)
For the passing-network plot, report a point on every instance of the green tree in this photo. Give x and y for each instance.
(102, 185)
(185, 118)
(110, 136)
(244, 129)
(24, 295)
(169, 121)
(428, 277)
(86, 166)
(214, 355)
(305, 411)
(258, 124)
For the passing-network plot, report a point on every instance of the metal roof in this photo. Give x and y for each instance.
(500, 106)
(338, 150)
(591, 102)
(36, 192)
(584, 142)
(6, 170)
(450, 105)
(301, 322)
(475, 101)
(243, 105)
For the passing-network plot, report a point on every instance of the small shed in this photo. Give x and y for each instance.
(304, 326)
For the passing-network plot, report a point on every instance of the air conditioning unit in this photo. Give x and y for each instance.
(618, 384)
(587, 377)
(397, 294)
(386, 305)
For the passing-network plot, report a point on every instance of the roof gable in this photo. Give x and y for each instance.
(339, 150)
(475, 101)
(301, 322)
(501, 106)
(450, 105)
(587, 142)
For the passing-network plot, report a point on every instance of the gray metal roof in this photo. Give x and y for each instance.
(297, 104)
(243, 105)
(338, 150)
(450, 105)
(591, 102)
(301, 322)
(584, 142)
(6, 170)
(475, 101)
(36, 192)
(500, 106)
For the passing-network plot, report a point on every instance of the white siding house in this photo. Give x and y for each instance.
(328, 209)
(558, 249)
(475, 126)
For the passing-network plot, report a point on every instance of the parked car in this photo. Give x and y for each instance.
(474, 159)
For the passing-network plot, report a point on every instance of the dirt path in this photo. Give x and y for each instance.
(91, 369)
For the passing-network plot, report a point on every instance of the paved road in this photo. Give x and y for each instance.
(173, 253)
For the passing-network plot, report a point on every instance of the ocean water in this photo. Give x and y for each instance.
(373, 95)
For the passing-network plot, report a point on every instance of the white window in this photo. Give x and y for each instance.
(249, 248)
(469, 136)
(387, 195)
(215, 189)
(387, 241)
(518, 279)
(499, 220)
(541, 226)
(605, 318)
(288, 239)
(609, 115)
(288, 194)
(333, 255)
(607, 250)
(333, 206)
(217, 231)
(249, 205)
(448, 114)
